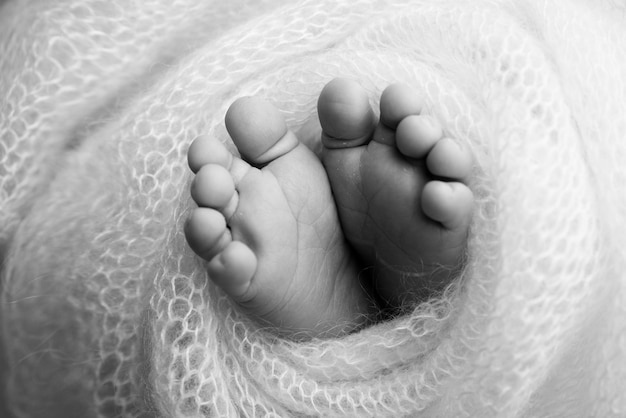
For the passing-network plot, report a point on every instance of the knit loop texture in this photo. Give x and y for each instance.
(106, 312)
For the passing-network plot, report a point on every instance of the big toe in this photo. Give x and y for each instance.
(345, 114)
(258, 130)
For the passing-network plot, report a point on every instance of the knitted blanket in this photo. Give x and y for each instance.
(106, 312)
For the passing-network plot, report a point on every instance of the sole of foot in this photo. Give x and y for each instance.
(400, 186)
(267, 226)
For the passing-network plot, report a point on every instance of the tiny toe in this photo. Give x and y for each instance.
(397, 102)
(233, 270)
(213, 187)
(205, 150)
(416, 135)
(345, 114)
(206, 232)
(449, 203)
(449, 159)
(258, 130)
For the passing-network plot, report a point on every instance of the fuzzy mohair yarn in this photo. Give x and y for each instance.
(106, 312)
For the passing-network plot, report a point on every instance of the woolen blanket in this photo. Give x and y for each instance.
(106, 312)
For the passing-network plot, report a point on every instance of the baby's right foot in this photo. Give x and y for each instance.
(399, 188)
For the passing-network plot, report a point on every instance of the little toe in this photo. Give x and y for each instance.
(259, 131)
(345, 114)
(206, 150)
(449, 159)
(213, 187)
(449, 203)
(233, 270)
(206, 232)
(416, 135)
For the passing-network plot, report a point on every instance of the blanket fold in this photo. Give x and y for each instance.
(106, 312)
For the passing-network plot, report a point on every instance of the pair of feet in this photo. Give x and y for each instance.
(318, 248)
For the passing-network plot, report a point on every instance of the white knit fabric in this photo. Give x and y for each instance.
(106, 312)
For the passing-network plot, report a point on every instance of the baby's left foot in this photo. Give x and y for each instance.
(268, 227)
(400, 188)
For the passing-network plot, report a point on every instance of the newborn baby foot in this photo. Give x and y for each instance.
(268, 227)
(400, 189)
